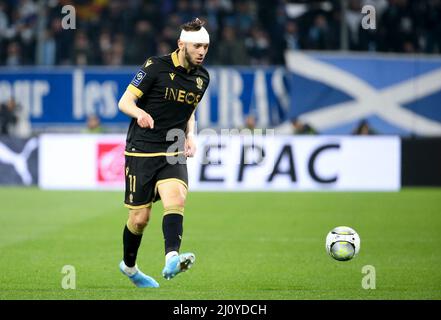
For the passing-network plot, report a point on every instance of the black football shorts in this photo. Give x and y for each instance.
(144, 174)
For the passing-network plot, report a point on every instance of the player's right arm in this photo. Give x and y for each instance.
(140, 85)
(127, 104)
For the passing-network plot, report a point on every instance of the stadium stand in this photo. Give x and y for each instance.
(117, 32)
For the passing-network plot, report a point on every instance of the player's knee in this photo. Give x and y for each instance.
(140, 224)
(179, 201)
(138, 219)
(135, 228)
(137, 225)
(173, 194)
(175, 198)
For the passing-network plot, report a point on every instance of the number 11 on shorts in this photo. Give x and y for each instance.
(132, 183)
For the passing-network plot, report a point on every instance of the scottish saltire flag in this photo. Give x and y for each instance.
(395, 94)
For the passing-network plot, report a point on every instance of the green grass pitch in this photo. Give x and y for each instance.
(247, 245)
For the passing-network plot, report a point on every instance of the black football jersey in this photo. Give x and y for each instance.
(168, 92)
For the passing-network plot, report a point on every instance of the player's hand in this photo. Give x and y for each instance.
(190, 146)
(144, 120)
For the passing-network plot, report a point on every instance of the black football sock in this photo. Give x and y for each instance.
(172, 229)
(131, 244)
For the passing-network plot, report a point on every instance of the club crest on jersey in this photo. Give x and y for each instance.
(138, 78)
(199, 83)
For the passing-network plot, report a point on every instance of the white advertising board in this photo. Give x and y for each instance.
(234, 163)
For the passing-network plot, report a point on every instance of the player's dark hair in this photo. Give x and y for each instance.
(194, 25)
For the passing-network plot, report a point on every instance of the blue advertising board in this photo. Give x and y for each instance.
(66, 96)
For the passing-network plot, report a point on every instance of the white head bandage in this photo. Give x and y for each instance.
(200, 36)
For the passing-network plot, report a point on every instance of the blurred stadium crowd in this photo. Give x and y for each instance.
(125, 32)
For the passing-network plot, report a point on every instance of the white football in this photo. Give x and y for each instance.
(342, 243)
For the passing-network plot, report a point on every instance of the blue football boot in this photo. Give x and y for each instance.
(177, 264)
(139, 279)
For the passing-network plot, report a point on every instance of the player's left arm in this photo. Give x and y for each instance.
(190, 140)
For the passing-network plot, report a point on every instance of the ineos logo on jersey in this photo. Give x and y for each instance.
(183, 96)
(138, 78)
